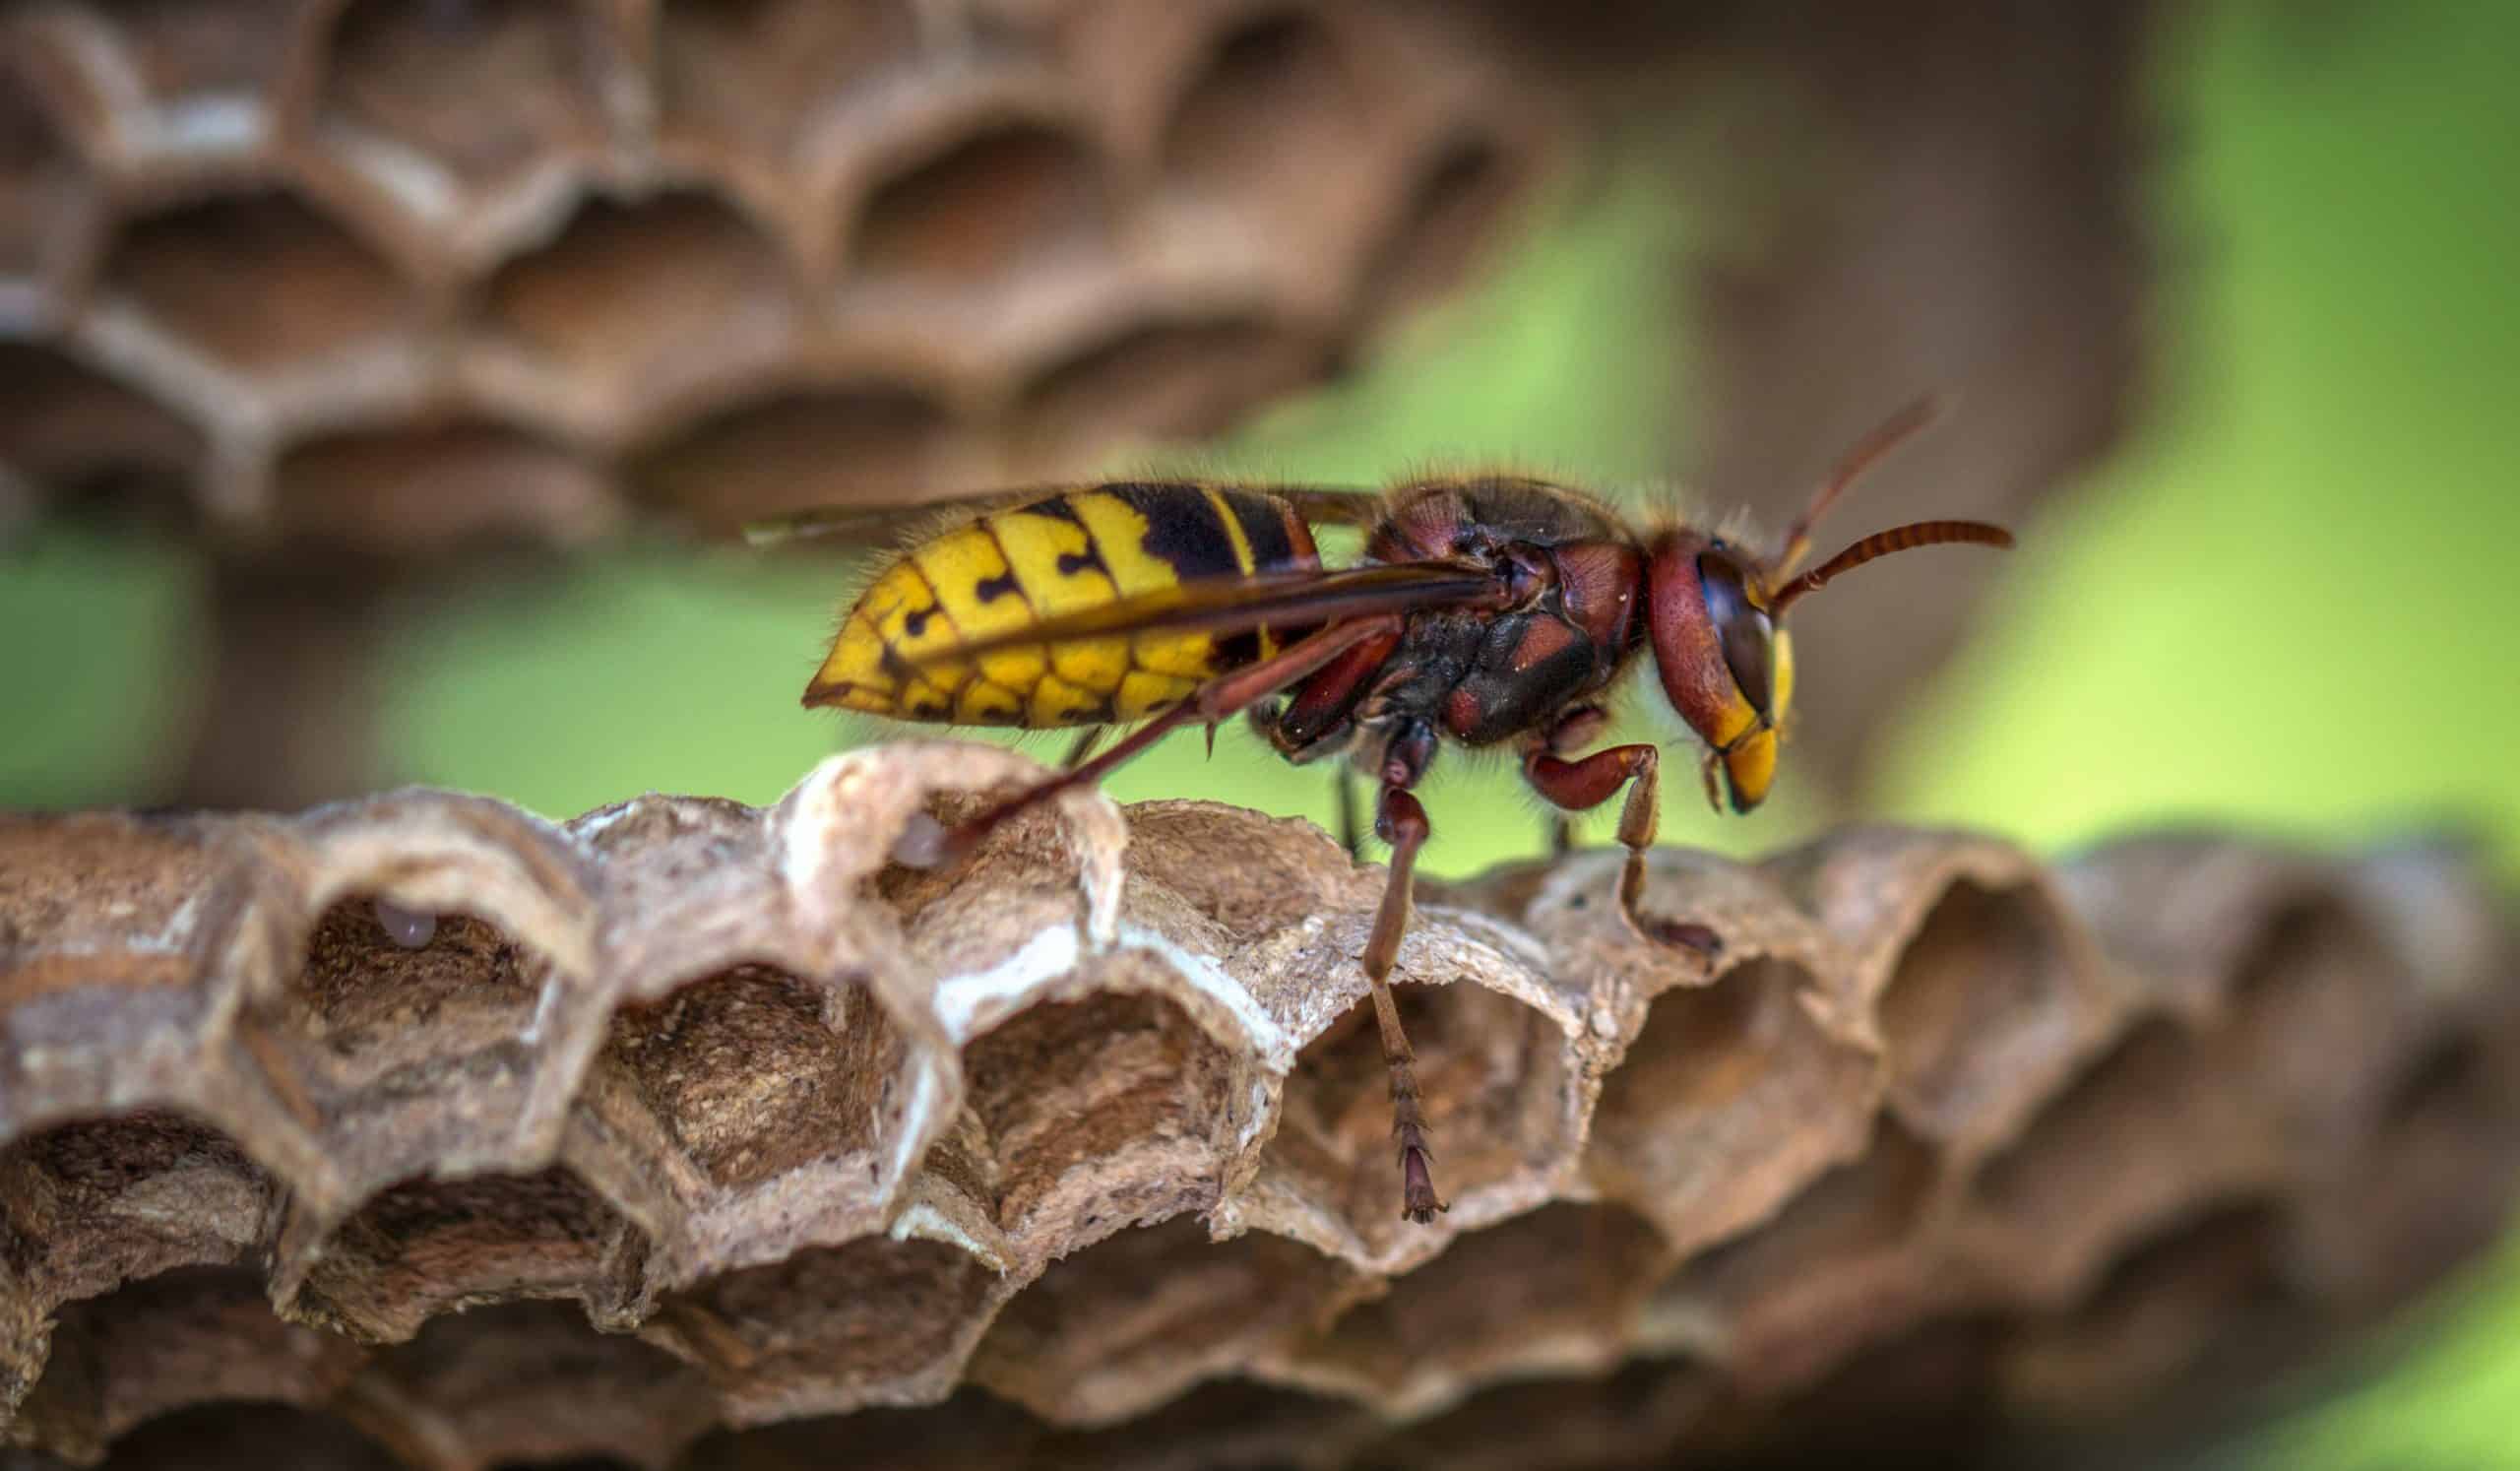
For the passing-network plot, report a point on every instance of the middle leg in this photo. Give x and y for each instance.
(1401, 821)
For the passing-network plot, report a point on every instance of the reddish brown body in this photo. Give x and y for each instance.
(1480, 677)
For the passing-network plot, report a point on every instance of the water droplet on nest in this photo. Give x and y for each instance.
(921, 844)
(411, 929)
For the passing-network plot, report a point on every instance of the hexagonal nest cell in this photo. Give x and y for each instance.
(96, 444)
(1494, 1076)
(258, 282)
(1984, 998)
(1170, 381)
(189, 56)
(832, 1328)
(984, 208)
(1550, 1292)
(460, 483)
(1064, 1091)
(757, 76)
(1275, 97)
(48, 201)
(649, 299)
(425, 1247)
(713, 1149)
(185, 1337)
(1729, 1100)
(797, 448)
(1120, 1327)
(470, 97)
(750, 1078)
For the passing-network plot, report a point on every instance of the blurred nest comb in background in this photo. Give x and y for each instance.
(662, 1136)
(344, 291)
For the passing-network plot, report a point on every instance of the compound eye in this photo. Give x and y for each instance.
(1748, 636)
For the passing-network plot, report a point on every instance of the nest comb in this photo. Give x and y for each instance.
(420, 1130)
(395, 275)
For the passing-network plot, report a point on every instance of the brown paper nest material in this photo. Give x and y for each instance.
(398, 275)
(671, 1131)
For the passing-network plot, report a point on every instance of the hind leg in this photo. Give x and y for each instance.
(1219, 699)
(1083, 746)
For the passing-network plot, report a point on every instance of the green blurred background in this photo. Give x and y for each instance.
(2282, 602)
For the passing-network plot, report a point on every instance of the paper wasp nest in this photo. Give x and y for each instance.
(396, 274)
(422, 1130)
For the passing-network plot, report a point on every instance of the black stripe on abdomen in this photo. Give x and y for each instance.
(1264, 526)
(1182, 530)
(1185, 532)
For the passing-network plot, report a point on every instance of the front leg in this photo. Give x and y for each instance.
(1578, 786)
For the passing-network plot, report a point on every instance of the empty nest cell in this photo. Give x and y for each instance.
(1225, 1423)
(756, 76)
(970, 1429)
(2399, 1221)
(1729, 1100)
(428, 1247)
(1578, 1423)
(751, 1077)
(990, 203)
(2155, 1318)
(1845, 1263)
(87, 1205)
(1086, 1114)
(1113, 1330)
(806, 446)
(476, 95)
(2317, 1019)
(406, 1043)
(204, 57)
(831, 1328)
(1982, 1014)
(651, 296)
(528, 1383)
(48, 202)
(1494, 1078)
(2150, 1128)
(1169, 380)
(249, 1438)
(1556, 1290)
(260, 281)
(187, 1337)
(441, 487)
(1275, 97)
(1463, 197)
(94, 443)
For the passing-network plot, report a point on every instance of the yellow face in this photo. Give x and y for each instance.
(1750, 762)
(1737, 701)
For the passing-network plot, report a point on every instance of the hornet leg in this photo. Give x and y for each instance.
(1577, 727)
(1588, 782)
(1351, 832)
(1086, 741)
(1219, 699)
(1402, 823)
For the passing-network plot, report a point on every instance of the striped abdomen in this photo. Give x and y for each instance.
(1006, 570)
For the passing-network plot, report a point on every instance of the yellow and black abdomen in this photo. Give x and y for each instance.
(1077, 549)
